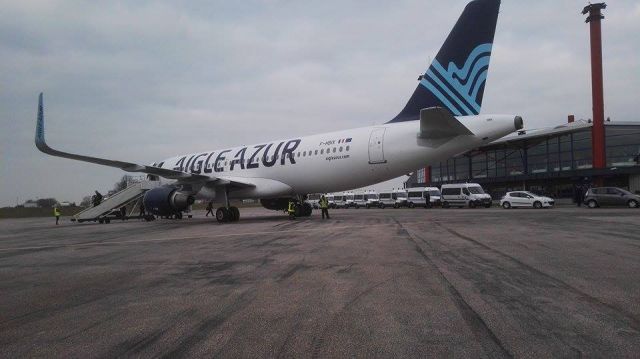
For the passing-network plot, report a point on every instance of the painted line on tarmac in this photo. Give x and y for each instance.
(90, 244)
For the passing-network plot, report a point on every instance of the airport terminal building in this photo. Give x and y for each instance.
(549, 161)
(553, 161)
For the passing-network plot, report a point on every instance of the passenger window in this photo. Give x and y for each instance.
(322, 151)
(316, 152)
(340, 148)
(347, 148)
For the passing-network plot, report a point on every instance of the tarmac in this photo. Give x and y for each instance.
(491, 283)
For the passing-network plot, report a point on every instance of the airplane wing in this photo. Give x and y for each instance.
(436, 123)
(125, 166)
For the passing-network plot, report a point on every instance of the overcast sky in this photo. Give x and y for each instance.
(142, 81)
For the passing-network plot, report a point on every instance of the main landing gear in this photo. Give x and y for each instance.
(303, 210)
(228, 213)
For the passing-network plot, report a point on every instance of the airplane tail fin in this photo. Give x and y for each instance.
(456, 78)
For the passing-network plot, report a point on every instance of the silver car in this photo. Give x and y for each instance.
(611, 196)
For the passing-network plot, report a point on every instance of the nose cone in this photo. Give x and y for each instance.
(518, 123)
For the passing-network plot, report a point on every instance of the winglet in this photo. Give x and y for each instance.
(40, 143)
(126, 166)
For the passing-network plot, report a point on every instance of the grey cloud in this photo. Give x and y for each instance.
(146, 80)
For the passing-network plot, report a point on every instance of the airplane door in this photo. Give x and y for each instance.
(376, 146)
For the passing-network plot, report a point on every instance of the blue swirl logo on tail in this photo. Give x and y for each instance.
(457, 87)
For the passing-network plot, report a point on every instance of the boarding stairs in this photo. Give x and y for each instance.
(133, 192)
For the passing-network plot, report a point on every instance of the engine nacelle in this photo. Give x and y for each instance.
(276, 204)
(166, 201)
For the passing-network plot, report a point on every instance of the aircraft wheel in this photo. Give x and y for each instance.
(222, 214)
(234, 214)
(307, 209)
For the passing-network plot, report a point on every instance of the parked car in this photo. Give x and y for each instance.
(611, 196)
(525, 199)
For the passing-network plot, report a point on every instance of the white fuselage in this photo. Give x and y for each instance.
(334, 161)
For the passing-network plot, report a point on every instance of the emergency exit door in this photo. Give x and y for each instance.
(376, 146)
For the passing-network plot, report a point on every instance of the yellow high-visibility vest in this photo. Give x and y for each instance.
(324, 203)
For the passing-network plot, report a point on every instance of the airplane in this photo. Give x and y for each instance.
(440, 120)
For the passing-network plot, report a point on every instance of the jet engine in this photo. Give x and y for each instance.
(166, 201)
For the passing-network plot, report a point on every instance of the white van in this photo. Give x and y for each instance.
(464, 194)
(314, 200)
(348, 199)
(359, 200)
(417, 196)
(400, 197)
(331, 200)
(339, 200)
(386, 199)
(372, 199)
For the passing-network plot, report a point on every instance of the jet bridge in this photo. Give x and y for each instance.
(133, 192)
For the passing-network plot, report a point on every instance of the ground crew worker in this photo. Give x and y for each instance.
(56, 213)
(578, 195)
(142, 214)
(209, 209)
(292, 209)
(97, 199)
(324, 206)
